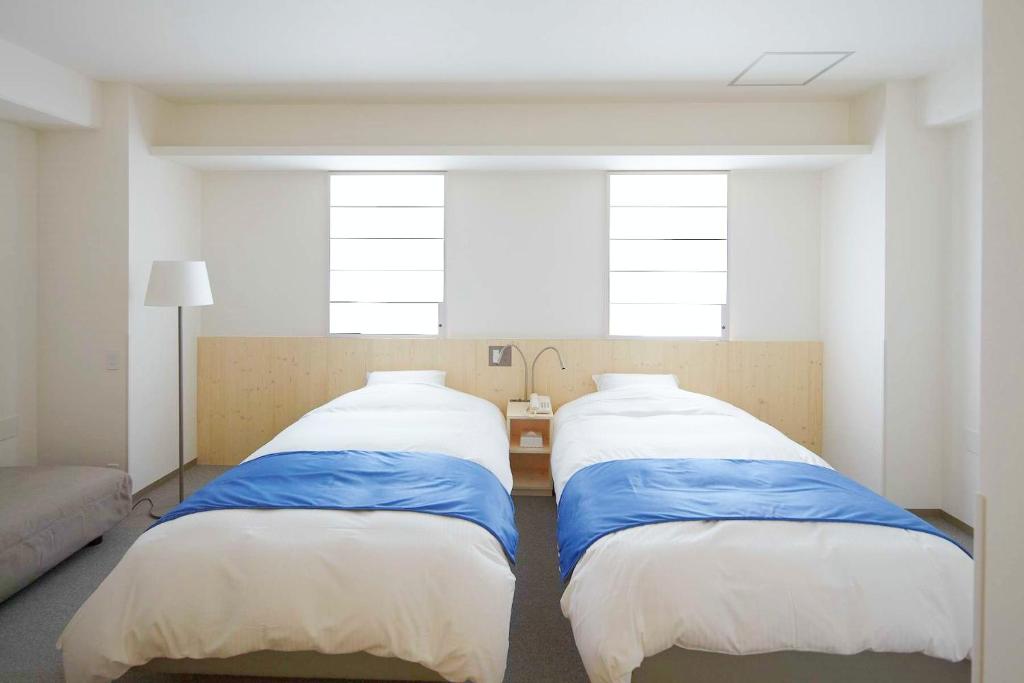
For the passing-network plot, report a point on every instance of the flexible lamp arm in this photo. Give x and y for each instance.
(533, 367)
(526, 378)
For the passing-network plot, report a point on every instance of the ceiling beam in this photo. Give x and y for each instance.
(39, 93)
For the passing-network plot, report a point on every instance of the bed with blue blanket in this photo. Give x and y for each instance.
(373, 538)
(693, 535)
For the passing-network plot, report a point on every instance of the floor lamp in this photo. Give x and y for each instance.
(179, 283)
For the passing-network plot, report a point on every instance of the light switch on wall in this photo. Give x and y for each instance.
(113, 360)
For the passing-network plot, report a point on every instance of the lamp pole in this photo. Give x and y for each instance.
(177, 284)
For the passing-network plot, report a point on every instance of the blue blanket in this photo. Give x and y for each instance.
(363, 480)
(611, 496)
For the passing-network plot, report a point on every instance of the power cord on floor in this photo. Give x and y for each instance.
(146, 500)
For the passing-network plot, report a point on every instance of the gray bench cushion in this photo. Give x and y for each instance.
(49, 512)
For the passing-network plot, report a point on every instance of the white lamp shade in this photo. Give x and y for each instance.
(178, 283)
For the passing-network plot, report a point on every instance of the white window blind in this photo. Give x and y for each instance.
(387, 253)
(667, 254)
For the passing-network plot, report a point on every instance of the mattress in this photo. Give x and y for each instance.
(49, 512)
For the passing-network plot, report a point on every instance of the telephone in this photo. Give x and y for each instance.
(539, 405)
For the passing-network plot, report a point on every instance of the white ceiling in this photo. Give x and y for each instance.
(492, 49)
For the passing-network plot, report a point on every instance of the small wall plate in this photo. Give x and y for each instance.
(499, 356)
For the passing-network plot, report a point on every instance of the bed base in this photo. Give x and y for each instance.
(677, 665)
(357, 666)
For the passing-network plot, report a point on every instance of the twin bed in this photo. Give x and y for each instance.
(428, 595)
(368, 590)
(745, 587)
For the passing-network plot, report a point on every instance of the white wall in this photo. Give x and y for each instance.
(83, 289)
(526, 254)
(164, 218)
(853, 303)
(887, 245)
(107, 365)
(1002, 341)
(264, 238)
(917, 216)
(963, 323)
(954, 94)
(774, 255)
(17, 295)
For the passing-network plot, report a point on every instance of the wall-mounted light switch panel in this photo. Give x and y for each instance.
(499, 356)
(113, 360)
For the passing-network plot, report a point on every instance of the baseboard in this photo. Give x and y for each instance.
(958, 523)
(162, 480)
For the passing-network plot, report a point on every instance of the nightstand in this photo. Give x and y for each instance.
(531, 465)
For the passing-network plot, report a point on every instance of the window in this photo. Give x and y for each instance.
(667, 254)
(387, 253)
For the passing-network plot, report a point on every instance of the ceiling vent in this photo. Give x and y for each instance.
(788, 68)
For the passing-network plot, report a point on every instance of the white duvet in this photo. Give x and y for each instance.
(425, 588)
(743, 587)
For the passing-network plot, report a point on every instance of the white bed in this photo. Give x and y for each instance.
(740, 587)
(423, 588)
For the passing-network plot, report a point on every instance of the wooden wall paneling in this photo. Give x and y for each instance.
(816, 398)
(700, 366)
(244, 378)
(207, 382)
(498, 384)
(782, 412)
(346, 365)
(251, 388)
(746, 377)
(491, 383)
(643, 357)
(456, 359)
(299, 378)
(229, 385)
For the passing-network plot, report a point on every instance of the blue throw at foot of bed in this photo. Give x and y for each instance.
(363, 480)
(620, 494)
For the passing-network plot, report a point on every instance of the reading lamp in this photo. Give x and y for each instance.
(179, 283)
(526, 375)
(533, 367)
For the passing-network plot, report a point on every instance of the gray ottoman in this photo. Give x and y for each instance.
(49, 512)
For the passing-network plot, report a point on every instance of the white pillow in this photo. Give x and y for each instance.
(615, 380)
(406, 377)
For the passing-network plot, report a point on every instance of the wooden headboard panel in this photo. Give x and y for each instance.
(250, 388)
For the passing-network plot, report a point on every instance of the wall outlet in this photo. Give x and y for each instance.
(113, 360)
(499, 356)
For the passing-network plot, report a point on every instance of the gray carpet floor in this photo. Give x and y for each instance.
(541, 647)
